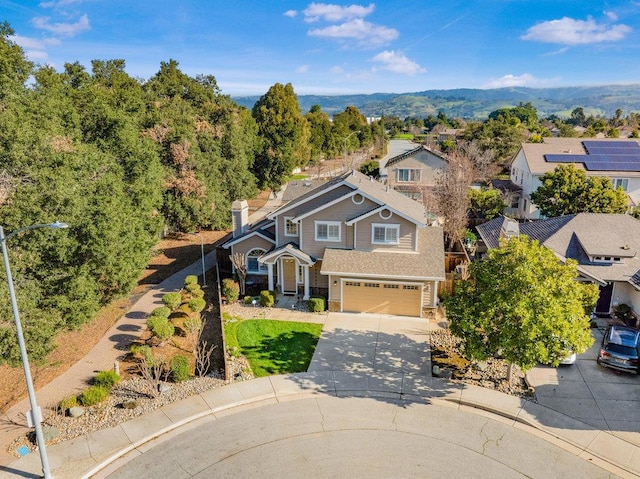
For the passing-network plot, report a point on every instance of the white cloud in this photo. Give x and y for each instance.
(62, 29)
(335, 13)
(34, 43)
(568, 31)
(36, 55)
(611, 15)
(302, 69)
(337, 70)
(364, 33)
(397, 62)
(526, 79)
(58, 3)
(290, 13)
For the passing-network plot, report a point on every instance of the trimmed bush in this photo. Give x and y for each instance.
(180, 369)
(163, 329)
(193, 324)
(191, 279)
(192, 287)
(267, 298)
(106, 379)
(172, 300)
(317, 304)
(198, 293)
(230, 290)
(67, 403)
(93, 395)
(247, 300)
(152, 321)
(162, 312)
(197, 304)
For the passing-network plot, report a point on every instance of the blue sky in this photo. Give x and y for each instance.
(342, 47)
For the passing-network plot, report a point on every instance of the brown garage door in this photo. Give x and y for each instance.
(378, 297)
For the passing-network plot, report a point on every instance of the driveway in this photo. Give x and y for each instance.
(373, 343)
(601, 397)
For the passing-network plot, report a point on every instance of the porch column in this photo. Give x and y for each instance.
(270, 272)
(306, 282)
(434, 294)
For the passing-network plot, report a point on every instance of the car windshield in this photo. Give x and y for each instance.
(624, 337)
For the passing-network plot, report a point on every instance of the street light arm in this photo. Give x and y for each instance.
(55, 225)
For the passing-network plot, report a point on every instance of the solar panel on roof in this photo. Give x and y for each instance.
(611, 147)
(617, 166)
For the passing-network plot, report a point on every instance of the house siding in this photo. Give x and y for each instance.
(364, 227)
(430, 167)
(250, 243)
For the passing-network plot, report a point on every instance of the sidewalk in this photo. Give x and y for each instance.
(104, 354)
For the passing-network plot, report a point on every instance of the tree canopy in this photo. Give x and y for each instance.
(567, 190)
(523, 305)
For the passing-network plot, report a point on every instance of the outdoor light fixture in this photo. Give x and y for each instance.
(34, 417)
(204, 277)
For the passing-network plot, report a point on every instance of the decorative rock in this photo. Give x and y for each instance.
(481, 366)
(50, 432)
(446, 374)
(163, 388)
(435, 370)
(129, 404)
(76, 411)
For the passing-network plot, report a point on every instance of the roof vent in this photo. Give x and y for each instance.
(625, 247)
(306, 183)
(567, 151)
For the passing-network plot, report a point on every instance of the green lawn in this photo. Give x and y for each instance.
(274, 347)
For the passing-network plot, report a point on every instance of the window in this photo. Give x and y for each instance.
(385, 234)
(253, 266)
(620, 183)
(327, 231)
(410, 287)
(351, 283)
(407, 174)
(371, 285)
(290, 228)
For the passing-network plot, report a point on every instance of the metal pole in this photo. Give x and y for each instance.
(35, 413)
(204, 277)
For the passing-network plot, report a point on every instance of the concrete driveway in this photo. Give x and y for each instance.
(601, 397)
(373, 343)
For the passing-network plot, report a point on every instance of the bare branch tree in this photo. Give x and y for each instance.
(204, 355)
(240, 263)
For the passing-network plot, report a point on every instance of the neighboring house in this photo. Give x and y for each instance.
(449, 134)
(413, 172)
(606, 247)
(617, 159)
(355, 241)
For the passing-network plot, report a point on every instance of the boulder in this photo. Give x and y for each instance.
(76, 411)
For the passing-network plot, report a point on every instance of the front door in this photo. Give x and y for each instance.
(603, 306)
(289, 276)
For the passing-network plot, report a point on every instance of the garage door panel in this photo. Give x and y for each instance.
(377, 297)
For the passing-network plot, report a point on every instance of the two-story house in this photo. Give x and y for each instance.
(606, 247)
(359, 243)
(618, 159)
(413, 172)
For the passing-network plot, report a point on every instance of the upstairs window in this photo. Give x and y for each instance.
(407, 175)
(620, 183)
(290, 228)
(385, 234)
(327, 231)
(253, 266)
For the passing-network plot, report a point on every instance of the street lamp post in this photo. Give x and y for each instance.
(344, 163)
(34, 416)
(204, 277)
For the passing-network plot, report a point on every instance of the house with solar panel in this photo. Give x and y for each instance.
(360, 244)
(617, 159)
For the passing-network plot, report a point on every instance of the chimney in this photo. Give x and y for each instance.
(240, 217)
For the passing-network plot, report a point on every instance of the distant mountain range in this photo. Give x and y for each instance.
(476, 104)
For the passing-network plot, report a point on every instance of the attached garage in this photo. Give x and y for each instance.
(404, 299)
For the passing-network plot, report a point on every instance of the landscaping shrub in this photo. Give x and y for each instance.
(198, 293)
(152, 321)
(172, 300)
(67, 403)
(624, 313)
(163, 329)
(93, 395)
(197, 304)
(180, 369)
(161, 311)
(230, 290)
(267, 298)
(192, 287)
(106, 379)
(191, 279)
(317, 304)
(193, 324)
(248, 299)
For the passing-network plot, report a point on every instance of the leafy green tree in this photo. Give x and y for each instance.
(567, 190)
(284, 134)
(523, 305)
(370, 168)
(486, 203)
(320, 134)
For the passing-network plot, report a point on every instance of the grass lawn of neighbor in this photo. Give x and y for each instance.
(273, 347)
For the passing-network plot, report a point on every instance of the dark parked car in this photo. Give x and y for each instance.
(620, 349)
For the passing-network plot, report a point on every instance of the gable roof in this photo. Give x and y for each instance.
(584, 154)
(580, 237)
(355, 182)
(261, 228)
(421, 153)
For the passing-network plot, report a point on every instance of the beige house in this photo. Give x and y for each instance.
(618, 159)
(353, 240)
(413, 172)
(606, 247)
